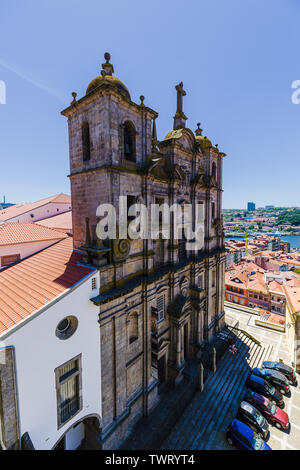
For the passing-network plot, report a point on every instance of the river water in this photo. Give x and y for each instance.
(293, 239)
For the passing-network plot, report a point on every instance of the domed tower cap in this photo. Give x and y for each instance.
(106, 78)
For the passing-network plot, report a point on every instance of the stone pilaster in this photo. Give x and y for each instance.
(8, 400)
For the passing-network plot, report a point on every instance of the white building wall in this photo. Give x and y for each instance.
(39, 352)
(42, 212)
(24, 249)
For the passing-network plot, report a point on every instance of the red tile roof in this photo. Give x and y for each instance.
(60, 221)
(20, 209)
(13, 233)
(32, 283)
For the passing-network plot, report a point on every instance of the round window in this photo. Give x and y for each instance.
(66, 327)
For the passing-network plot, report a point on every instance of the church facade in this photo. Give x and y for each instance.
(159, 303)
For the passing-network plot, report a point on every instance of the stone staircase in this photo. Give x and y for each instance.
(150, 431)
(213, 409)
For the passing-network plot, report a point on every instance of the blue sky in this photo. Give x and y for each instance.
(236, 58)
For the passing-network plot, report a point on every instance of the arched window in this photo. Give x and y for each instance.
(129, 142)
(133, 327)
(214, 170)
(86, 146)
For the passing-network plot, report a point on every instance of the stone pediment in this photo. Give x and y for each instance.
(204, 181)
(159, 167)
(177, 308)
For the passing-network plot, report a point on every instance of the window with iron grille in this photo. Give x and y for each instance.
(94, 283)
(161, 307)
(68, 385)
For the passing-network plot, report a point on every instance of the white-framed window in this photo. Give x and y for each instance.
(68, 388)
(160, 307)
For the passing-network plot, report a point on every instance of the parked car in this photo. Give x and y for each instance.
(283, 368)
(249, 415)
(259, 385)
(274, 415)
(275, 378)
(245, 438)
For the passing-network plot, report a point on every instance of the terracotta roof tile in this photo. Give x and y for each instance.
(32, 283)
(13, 233)
(60, 221)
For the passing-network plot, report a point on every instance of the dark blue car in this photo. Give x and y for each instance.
(259, 385)
(244, 437)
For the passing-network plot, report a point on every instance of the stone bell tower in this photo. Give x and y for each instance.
(108, 135)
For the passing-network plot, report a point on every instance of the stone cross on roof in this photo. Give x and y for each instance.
(180, 117)
(180, 94)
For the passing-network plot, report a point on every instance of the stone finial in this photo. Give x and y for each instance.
(107, 57)
(88, 241)
(198, 131)
(74, 97)
(154, 134)
(142, 100)
(180, 117)
(108, 68)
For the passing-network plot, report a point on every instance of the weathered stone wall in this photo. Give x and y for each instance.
(8, 400)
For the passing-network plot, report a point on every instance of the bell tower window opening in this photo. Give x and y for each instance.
(214, 170)
(213, 211)
(129, 142)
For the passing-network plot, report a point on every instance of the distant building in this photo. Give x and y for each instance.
(5, 205)
(250, 285)
(274, 244)
(251, 206)
(269, 207)
(39, 210)
(285, 246)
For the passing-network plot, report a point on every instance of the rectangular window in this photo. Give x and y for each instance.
(213, 211)
(94, 283)
(213, 282)
(161, 307)
(160, 202)
(9, 259)
(200, 282)
(131, 200)
(68, 384)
